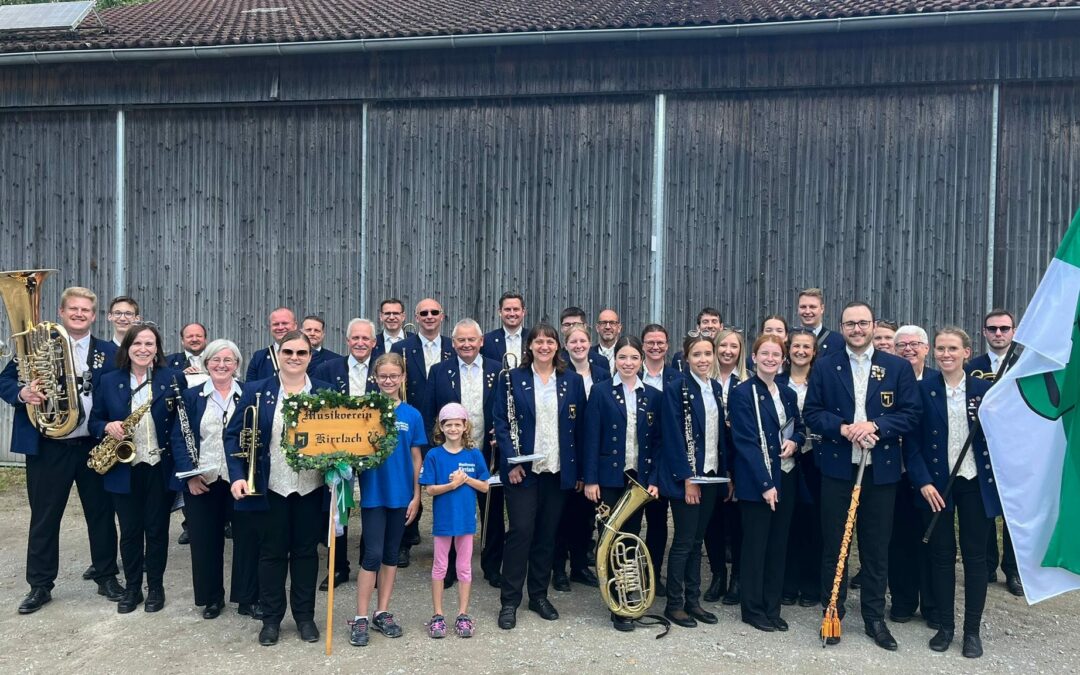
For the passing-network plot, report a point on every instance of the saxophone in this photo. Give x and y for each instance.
(623, 565)
(109, 451)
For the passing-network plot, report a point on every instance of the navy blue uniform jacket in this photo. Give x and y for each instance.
(336, 372)
(571, 393)
(100, 359)
(416, 376)
(750, 475)
(674, 468)
(112, 403)
(892, 402)
(444, 386)
(926, 449)
(604, 443)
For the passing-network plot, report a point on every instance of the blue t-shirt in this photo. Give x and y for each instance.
(454, 511)
(391, 485)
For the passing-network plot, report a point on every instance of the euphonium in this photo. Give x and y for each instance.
(623, 565)
(249, 442)
(43, 352)
(109, 451)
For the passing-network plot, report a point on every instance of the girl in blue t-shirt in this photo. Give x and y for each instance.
(389, 500)
(453, 473)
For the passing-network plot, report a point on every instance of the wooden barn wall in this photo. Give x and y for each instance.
(57, 180)
(1039, 184)
(868, 194)
(469, 199)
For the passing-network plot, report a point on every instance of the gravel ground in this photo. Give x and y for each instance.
(80, 631)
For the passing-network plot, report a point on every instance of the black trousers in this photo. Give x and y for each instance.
(968, 510)
(874, 527)
(684, 558)
(909, 558)
(802, 573)
(1007, 556)
(206, 516)
(656, 531)
(144, 526)
(245, 558)
(491, 557)
(289, 534)
(725, 529)
(534, 512)
(764, 553)
(49, 475)
(574, 536)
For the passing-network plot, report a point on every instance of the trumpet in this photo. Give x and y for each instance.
(405, 363)
(249, 442)
(509, 362)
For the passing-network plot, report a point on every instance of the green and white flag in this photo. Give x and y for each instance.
(1032, 425)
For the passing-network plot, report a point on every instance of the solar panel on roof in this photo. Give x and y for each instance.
(44, 16)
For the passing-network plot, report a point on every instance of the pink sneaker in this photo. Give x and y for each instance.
(464, 625)
(437, 626)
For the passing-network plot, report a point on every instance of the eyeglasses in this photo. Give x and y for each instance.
(429, 312)
(295, 352)
(607, 323)
(388, 378)
(851, 325)
(221, 360)
(123, 315)
(656, 343)
(573, 324)
(998, 329)
(909, 345)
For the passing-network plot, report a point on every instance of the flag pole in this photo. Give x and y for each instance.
(976, 428)
(830, 623)
(331, 547)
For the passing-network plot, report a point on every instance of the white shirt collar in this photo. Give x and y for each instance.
(462, 365)
(353, 361)
(208, 388)
(509, 334)
(638, 384)
(83, 342)
(705, 385)
(869, 353)
(424, 342)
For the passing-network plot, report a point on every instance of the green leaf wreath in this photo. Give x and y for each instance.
(332, 399)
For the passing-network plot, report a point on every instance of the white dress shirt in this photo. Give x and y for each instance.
(546, 438)
(712, 426)
(512, 341)
(630, 395)
(956, 405)
(145, 435)
(80, 350)
(219, 410)
(432, 352)
(358, 375)
(284, 480)
(786, 463)
(860, 377)
(655, 381)
(472, 395)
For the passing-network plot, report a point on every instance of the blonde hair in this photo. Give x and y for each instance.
(78, 292)
(740, 363)
(467, 440)
(393, 359)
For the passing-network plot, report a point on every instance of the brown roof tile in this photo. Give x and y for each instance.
(186, 23)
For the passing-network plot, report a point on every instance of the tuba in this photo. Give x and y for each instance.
(623, 565)
(43, 353)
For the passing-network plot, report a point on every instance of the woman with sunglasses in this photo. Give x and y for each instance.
(208, 502)
(548, 403)
(286, 506)
(729, 369)
(141, 489)
(802, 574)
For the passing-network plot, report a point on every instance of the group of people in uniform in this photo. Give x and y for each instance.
(749, 449)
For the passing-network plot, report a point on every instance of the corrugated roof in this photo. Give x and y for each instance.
(191, 23)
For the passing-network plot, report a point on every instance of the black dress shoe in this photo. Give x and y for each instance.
(661, 589)
(213, 610)
(309, 632)
(250, 609)
(899, 618)
(269, 634)
(856, 581)
(111, 589)
(832, 640)
(560, 582)
(403, 558)
(228, 530)
(1015, 586)
(184, 539)
(788, 600)
(779, 624)
(133, 597)
(585, 577)
(35, 600)
(89, 573)
(702, 615)
(765, 626)
(715, 589)
(339, 578)
(733, 596)
(680, 618)
(941, 640)
(882, 637)
(507, 617)
(809, 602)
(992, 578)
(972, 646)
(544, 608)
(622, 624)
(155, 600)
(410, 541)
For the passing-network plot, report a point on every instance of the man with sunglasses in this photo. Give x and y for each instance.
(264, 363)
(53, 464)
(422, 352)
(999, 328)
(860, 400)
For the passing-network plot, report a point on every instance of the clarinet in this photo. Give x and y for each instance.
(511, 408)
(185, 427)
(688, 431)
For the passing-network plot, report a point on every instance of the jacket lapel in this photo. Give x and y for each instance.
(764, 402)
(620, 398)
(846, 377)
(872, 384)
